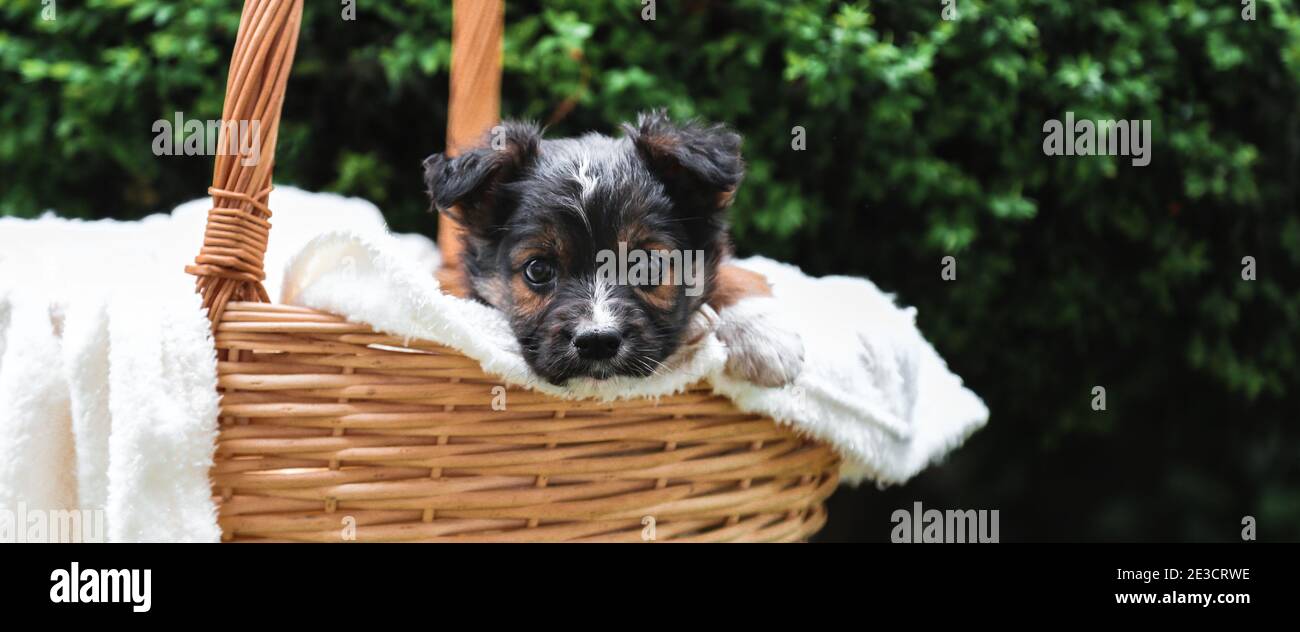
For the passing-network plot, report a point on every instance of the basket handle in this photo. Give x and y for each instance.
(230, 264)
(477, 28)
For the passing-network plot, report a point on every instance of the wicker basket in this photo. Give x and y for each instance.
(331, 431)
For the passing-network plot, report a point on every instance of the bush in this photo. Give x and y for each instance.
(924, 140)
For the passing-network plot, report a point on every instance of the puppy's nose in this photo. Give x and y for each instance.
(597, 344)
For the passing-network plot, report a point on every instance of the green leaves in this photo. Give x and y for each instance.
(362, 175)
(1012, 206)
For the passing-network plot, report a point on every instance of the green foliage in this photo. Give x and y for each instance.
(924, 139)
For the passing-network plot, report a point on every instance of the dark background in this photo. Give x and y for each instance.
(924, 140)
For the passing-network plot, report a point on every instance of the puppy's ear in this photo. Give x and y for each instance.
(468, 187)
(700, 164)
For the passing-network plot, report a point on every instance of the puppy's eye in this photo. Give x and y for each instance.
(651, 270)
(539, 271)
(656, 271)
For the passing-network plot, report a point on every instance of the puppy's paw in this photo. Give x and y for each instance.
(760, 349)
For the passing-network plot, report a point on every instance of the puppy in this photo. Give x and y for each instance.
(600, 250)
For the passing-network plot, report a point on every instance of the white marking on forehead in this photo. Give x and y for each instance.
(587, 181)
(587, 184)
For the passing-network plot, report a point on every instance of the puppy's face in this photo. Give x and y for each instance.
(598, 249)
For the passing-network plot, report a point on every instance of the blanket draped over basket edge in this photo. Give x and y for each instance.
(108, 418)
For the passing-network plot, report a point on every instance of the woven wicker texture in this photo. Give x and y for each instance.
(328, 419)
(333, 432)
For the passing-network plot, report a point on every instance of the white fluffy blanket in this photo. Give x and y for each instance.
(108, 400)
(108, 411)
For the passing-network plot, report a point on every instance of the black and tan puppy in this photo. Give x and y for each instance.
(600, 249)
